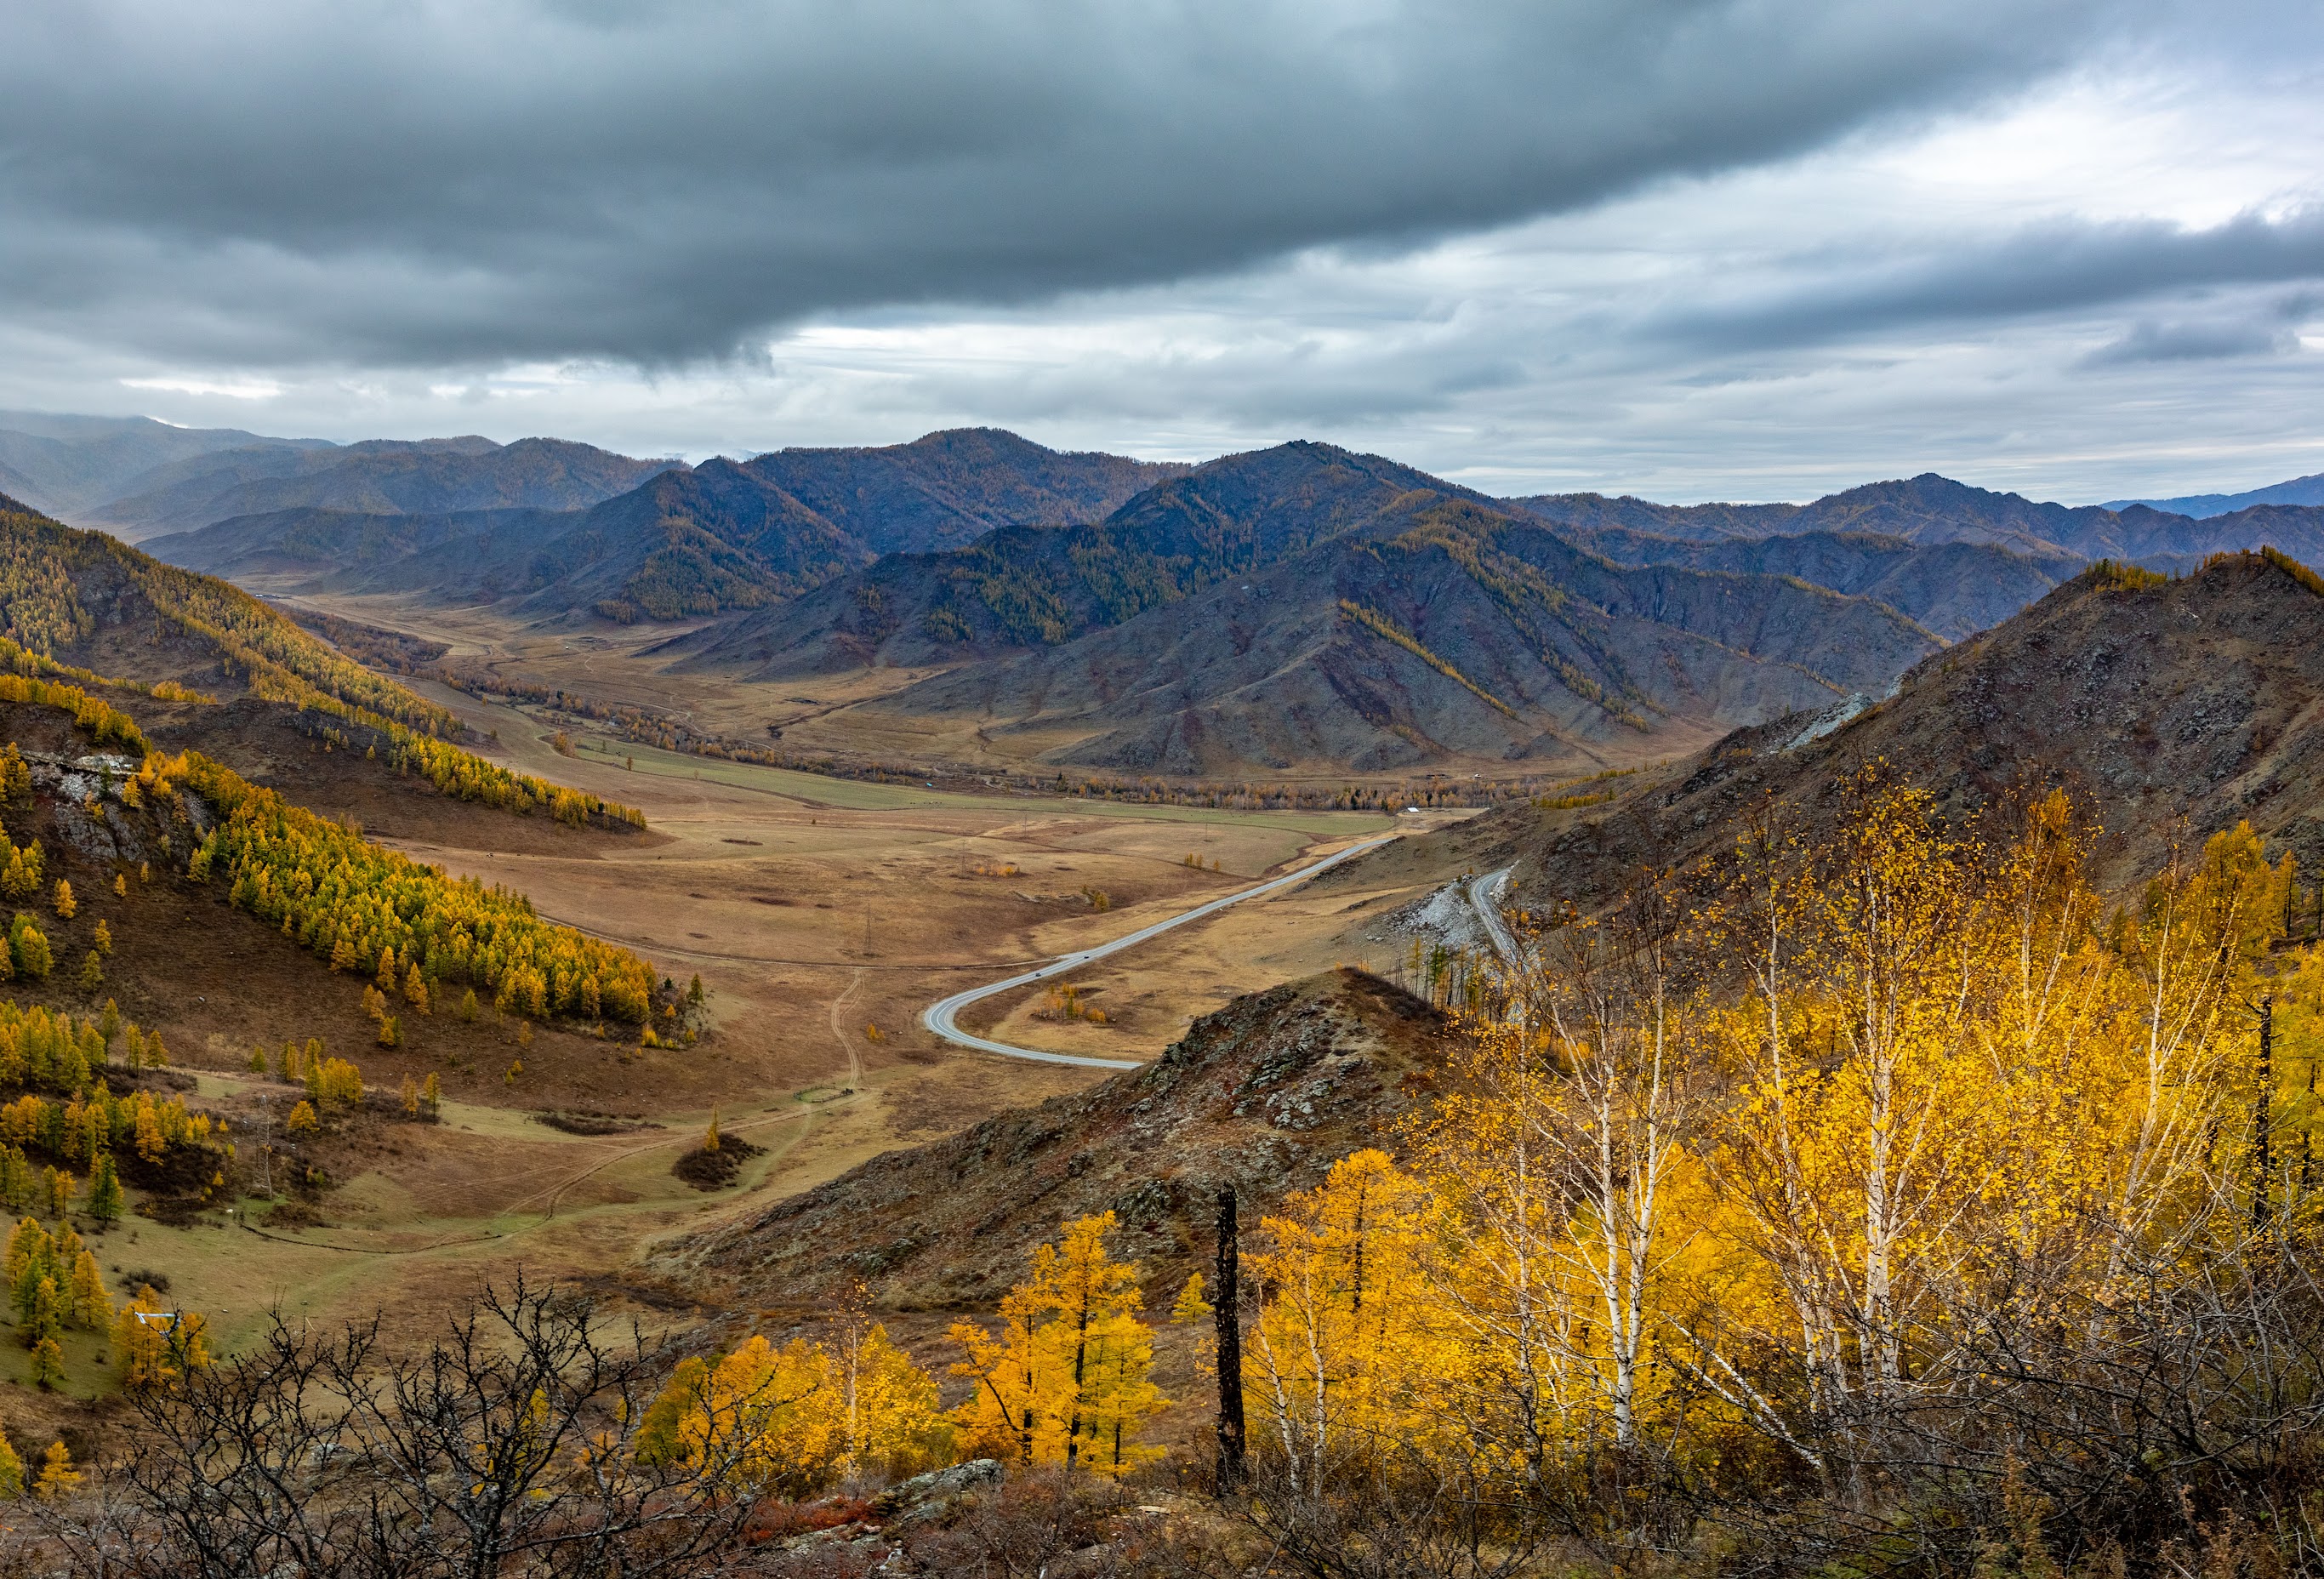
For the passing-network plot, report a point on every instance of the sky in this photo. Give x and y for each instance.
(1687, 249)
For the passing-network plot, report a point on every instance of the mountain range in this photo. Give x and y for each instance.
(687, 541)
(1301, 609)
(2307, 490)
(2167, 707)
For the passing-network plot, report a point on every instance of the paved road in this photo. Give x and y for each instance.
(1485, 899)
(938, 1017)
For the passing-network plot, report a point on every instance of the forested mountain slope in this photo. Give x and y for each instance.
(212, 668)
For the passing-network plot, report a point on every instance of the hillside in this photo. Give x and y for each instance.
(1955, 589)
(207, 667)
(714, 538)
(945, 489)
(380, 477)
(1265, 1094)
(2170, 709)
(67, 464)
(1029, 587)
(1440, 631)
(206, 965)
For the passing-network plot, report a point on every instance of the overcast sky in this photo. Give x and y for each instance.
(1685, 248)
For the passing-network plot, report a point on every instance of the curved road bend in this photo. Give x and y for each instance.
(938, 1017)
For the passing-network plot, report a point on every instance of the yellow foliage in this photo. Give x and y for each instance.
(794, 1419)
(1067, 1377)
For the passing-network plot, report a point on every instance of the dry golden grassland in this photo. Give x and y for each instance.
(822, 915)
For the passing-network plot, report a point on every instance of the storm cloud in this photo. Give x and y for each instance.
(421, 183)
(1687, 248)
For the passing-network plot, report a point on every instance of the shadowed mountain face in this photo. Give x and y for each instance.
(1955, 589)
(686, 542)
(950, 488)
(1373, 622)
(2168, 710)
(1033, 587)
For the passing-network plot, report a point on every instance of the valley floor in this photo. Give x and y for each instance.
(821, 916)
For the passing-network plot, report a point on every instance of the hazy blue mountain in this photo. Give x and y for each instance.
(377, 476)
(68, 466)
(2307, 490)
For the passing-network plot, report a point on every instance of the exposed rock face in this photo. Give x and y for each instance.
(1266, 1094)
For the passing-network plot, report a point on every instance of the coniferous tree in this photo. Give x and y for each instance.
(65, 907)
(105, 1202)
(28, 948)
(103, 939)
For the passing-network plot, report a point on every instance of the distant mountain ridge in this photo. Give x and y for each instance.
(378, 476)
(1929, 509)
(66, 464)
(2307, 490)
(687, 541)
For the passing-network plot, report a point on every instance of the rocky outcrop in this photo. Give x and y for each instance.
(1266, 1095)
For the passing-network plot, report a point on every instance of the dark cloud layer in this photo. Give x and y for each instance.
(387, 184)
(2055, 267)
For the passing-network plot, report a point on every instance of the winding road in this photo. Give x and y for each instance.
(939, 1016)
(1485, 899)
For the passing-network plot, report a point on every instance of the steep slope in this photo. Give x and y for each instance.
(207, 666)
(2307, 490)
(945, 489)
(1023, 587)
(2171, 708)
(1687, 522)
(1265, 1094)
(1955, 589)
(1438, 630)
(686, 542)
(381, 477)
(70, 465)
(714, 539)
